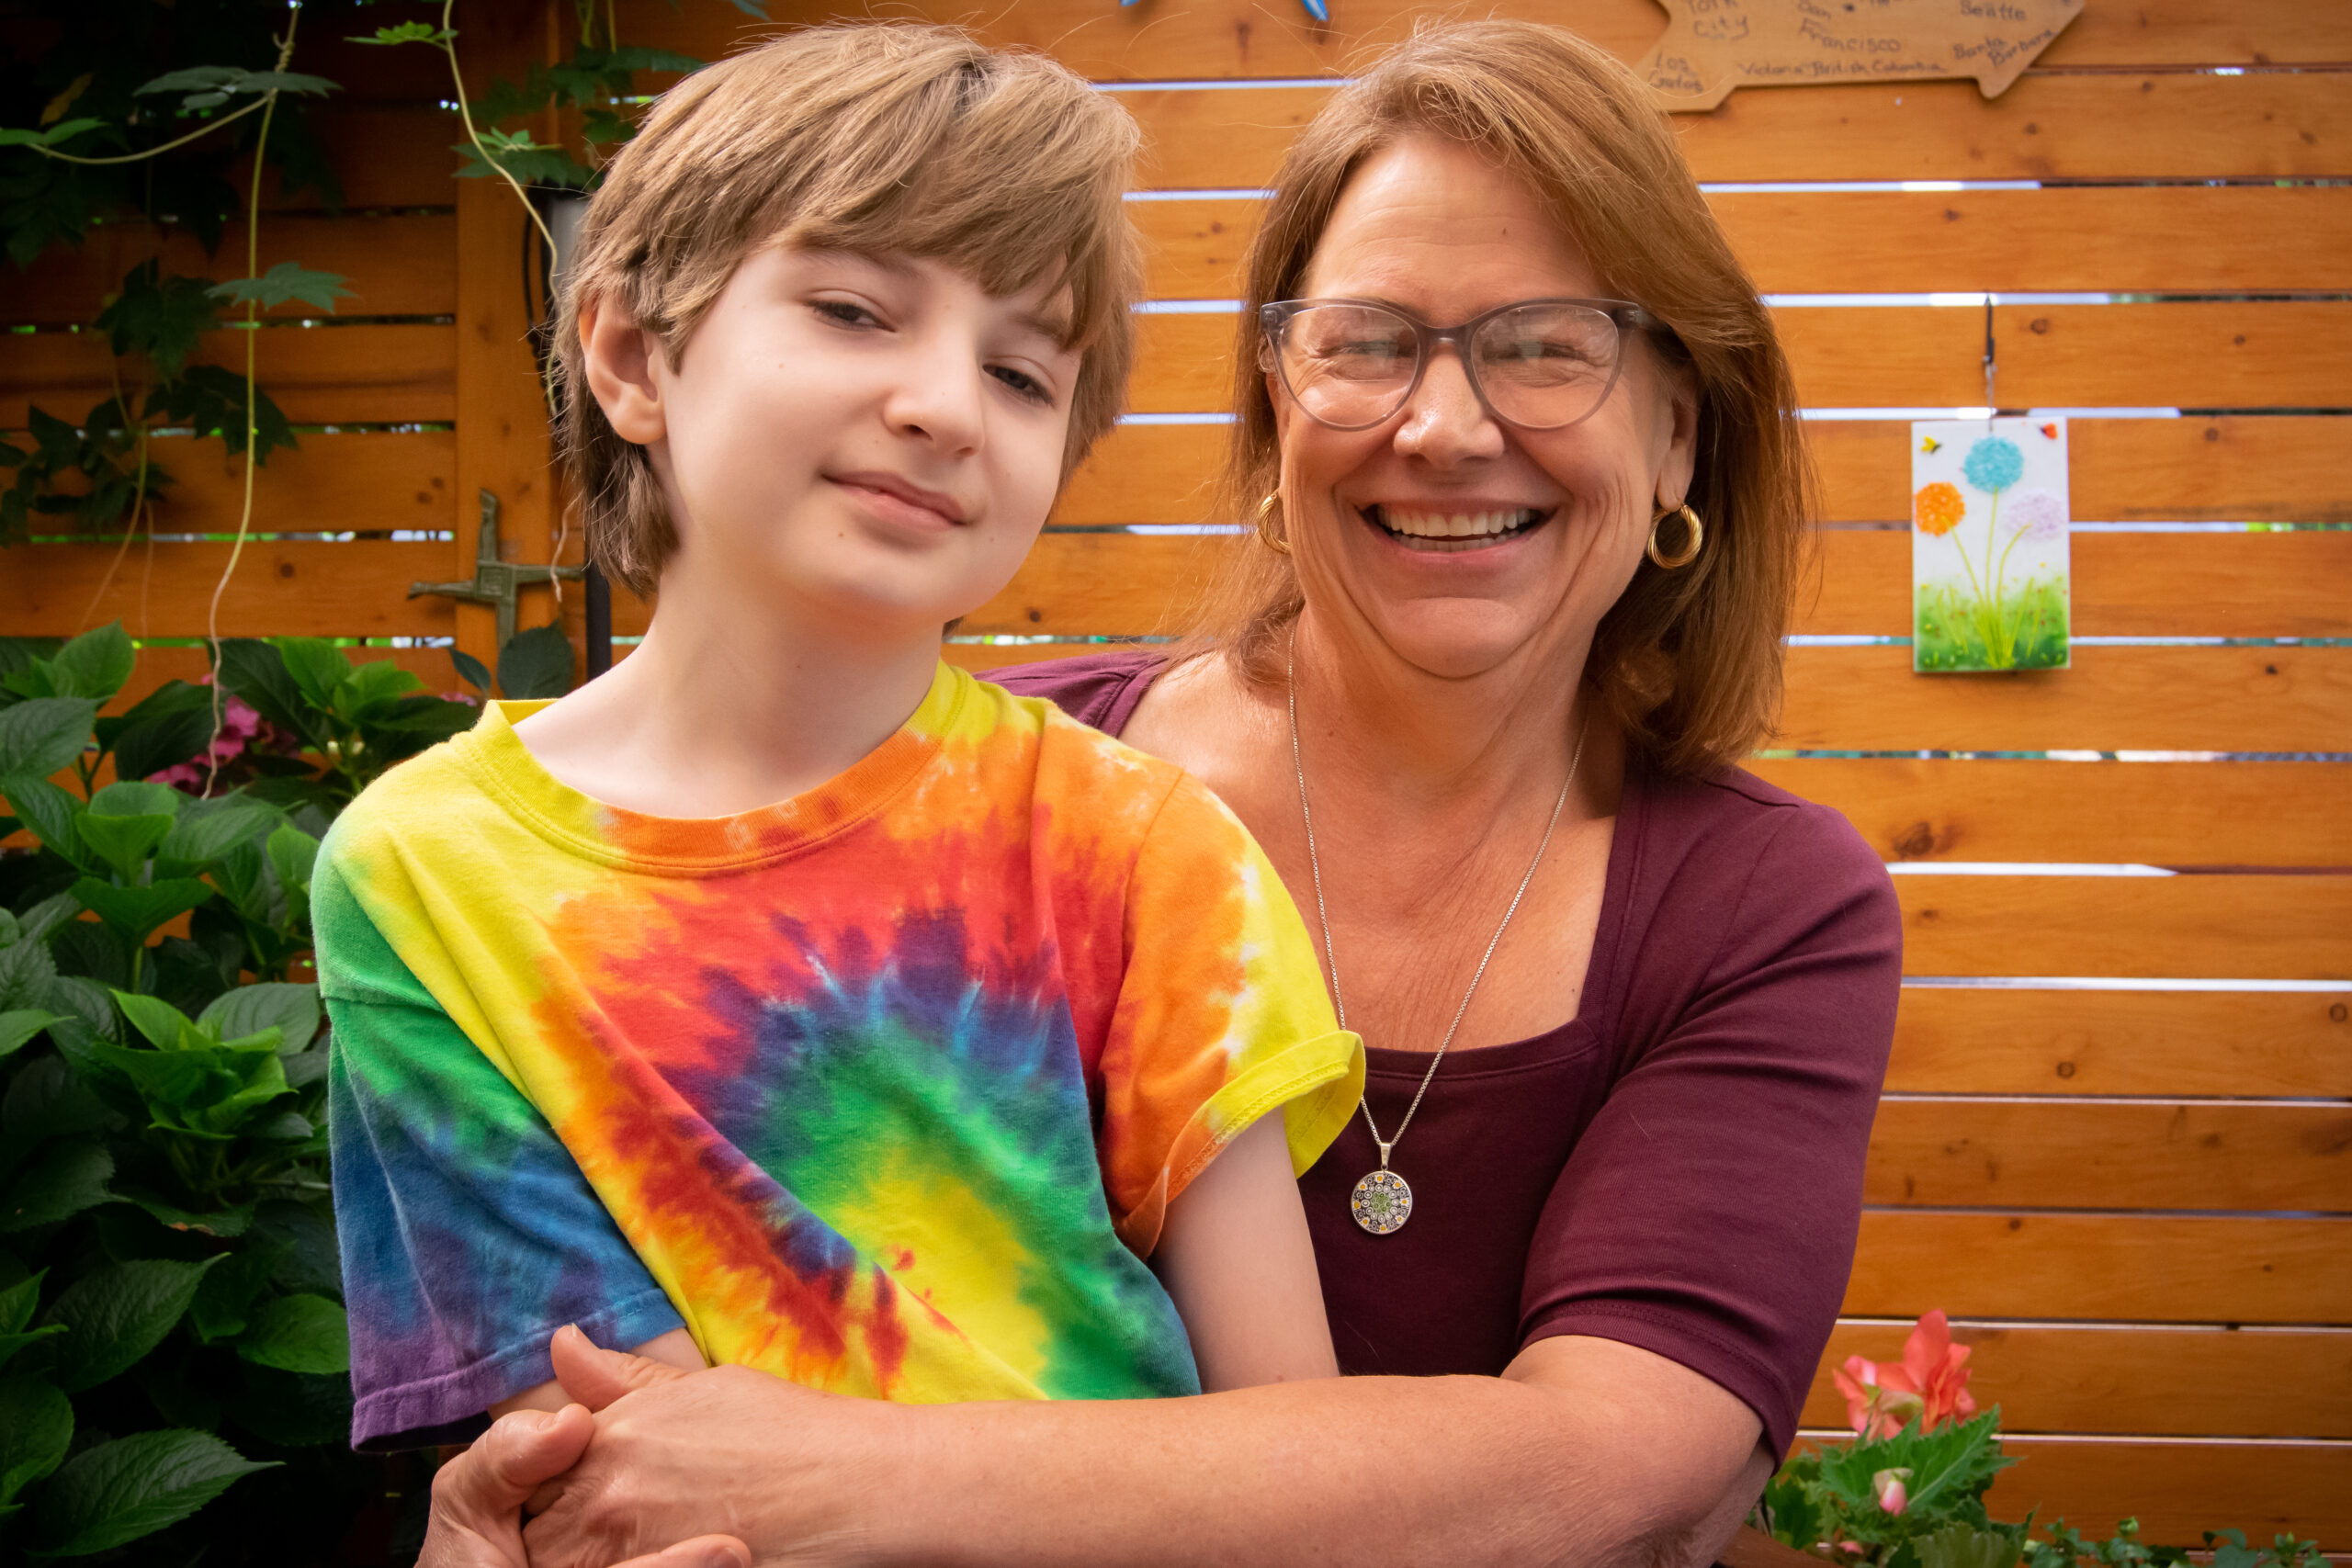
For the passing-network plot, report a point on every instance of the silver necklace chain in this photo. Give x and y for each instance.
(1330, 955)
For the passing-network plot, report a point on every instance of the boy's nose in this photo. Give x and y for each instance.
(939, 401)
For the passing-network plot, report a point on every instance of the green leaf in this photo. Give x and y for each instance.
(118, 1314)
(530, 162)
(287, 281)
(317, 667)
(19, 1301)
(49, 811)
(168, 727)
(210, 87)
(257, 672)
(299, 1334)
(536, 663)
(471, 671)
(1961, 1545)
(292, 853)
(96, 662)
(208, 829)
(133, 1487)
(223, 1307)
(410, 32)
(39, 737)
(63, 131)
(228, 1222)
(293, 1410)
(138, 911)
(163, 318)
(20, 1025)
(48, 1099)
(36, 1429)
(292, 1009)
(69, 1175)
(159, 1021)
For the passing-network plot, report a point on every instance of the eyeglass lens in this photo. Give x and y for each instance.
(1541, 365)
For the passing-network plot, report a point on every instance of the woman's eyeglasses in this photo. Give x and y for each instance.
(1539, 365)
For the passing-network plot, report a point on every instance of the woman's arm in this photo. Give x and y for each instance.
(1237, 1257)
(1587, 1451)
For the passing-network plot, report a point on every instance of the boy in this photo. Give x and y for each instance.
(724, 1007)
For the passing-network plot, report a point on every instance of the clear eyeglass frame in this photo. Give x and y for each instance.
(1275, 319)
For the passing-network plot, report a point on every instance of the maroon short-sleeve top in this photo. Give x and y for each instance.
(1680, 1166)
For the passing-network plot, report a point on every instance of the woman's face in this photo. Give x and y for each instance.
(1432, 227)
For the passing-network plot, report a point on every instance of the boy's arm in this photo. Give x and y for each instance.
(1236, 1258)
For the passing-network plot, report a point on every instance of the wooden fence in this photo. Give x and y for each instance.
(2117, 1140)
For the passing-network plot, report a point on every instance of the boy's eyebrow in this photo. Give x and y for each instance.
(1052, 322)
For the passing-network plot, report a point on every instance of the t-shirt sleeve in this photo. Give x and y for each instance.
(1709, 1213)
(468, 1234)
(1222, 1016)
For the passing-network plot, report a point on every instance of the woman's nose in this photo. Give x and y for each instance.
(1444, 422)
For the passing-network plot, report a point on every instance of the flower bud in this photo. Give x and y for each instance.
(1888, 1486)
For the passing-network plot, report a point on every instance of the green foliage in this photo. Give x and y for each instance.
(210, 87)
(2068, 1549)
(287, 281)
(357, 719)
(2026, 628)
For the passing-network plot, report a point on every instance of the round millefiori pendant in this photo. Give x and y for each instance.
(1382, 1203)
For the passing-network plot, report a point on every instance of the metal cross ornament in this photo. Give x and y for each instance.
(495, 581)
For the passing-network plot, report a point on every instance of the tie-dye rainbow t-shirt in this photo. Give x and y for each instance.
(884, 1089)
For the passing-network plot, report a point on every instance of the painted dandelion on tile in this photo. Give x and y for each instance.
(1990, 573)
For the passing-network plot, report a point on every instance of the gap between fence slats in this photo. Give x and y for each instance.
(2209, 814)
(2091, 1154)
(1237, 38)
(355, 375)
(2122, 1043)
(2128, 1379)
(2144, 1268)
(365, 482)
(394, 266)
(2231, 468)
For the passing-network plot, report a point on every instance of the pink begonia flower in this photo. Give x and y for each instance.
(1888, 1485)
(239, 726)
(1930, 1383)
(2038, 514)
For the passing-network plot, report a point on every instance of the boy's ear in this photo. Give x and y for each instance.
(618, 356)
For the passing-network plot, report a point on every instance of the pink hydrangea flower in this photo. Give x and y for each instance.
(240, 727)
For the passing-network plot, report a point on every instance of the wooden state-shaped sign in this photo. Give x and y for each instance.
(1713, 46)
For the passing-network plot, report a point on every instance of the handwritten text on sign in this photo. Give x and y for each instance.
(1713, 46)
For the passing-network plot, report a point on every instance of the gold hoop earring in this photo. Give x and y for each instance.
(1266, 535)
(1689, 551)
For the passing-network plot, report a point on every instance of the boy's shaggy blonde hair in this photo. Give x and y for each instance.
(878, 139)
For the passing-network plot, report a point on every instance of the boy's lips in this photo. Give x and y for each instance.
(881, 484)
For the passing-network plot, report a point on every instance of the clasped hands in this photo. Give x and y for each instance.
(645, 1453)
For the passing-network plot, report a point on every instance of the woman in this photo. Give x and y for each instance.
(1529, 496)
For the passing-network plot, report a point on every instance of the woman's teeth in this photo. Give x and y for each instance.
(1451, 525)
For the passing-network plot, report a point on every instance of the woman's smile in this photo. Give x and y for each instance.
(1453, 528)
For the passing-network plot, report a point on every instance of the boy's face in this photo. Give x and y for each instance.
(872, 442)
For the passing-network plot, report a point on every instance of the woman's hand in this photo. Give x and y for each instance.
(680, 1454)
(477, 1498)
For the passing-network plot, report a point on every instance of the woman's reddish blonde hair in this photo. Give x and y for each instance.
(1686, 661)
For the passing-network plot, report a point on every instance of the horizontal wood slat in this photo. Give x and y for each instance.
(2125, 584)
(2218, 699)
(2179, 1490)
(2200, 814)
(1956, 1041)
(356, 588)
(2183, 354)
(361, 482)
(1236, 38)
(403, 265)
(2088, 1154)
(2158, 237)
(2129, 1380)
(2233, 469)
(2142, 1268)
(2226, 926)
(2048, 126)
(355, 375)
